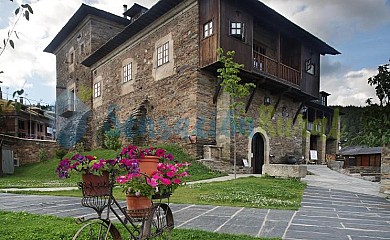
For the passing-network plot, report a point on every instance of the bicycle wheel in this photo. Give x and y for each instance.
(160, 223)
(97, 230)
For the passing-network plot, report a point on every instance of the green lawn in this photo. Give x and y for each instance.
(24, 226)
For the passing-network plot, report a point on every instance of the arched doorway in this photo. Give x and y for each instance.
(258, 153)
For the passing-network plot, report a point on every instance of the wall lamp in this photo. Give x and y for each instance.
(192, 139)
(267, 100)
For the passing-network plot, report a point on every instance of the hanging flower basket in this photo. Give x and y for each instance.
(94, 185)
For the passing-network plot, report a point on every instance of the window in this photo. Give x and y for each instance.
(163, 54)
(82, 47)
(208, 29)
(310, 67)
(71, 58)
(127, 72)
(97, 90)
(237, 30)
(21, 124)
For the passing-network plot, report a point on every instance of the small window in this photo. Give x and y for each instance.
(310, 67)
(163, 54)
(97, 90)
(237, 30)
(208, 29)
(127, 72)
(21, 124)
(82, 48)
(71, 58)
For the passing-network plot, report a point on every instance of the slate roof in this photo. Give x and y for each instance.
(360, 150)
(75, 20)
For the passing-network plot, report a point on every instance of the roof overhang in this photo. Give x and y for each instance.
(76, 19)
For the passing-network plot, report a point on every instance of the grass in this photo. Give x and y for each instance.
(25, 226)
(43, 174)
(255, 192)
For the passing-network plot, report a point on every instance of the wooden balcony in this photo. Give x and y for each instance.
(262, 63)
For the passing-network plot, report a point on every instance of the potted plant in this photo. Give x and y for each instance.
(142, 185)
(94, 172)
(148, 157)
(138, 191)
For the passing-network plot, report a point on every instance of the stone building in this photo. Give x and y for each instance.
(152, 74)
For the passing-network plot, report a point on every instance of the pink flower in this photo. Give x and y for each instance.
(170, 174)
(152, 182)
(160, 152)
(121, 179)
(176, 181)
(166, 181)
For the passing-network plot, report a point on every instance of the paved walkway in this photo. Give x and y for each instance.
(327, 212)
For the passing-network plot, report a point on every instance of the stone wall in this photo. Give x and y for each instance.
(74, 80)
(27, 150)
(385, 170)
(172, 103)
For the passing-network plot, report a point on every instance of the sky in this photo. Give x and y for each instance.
(359, 29)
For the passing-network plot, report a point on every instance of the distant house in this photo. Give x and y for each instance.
(29, 122)
(152, 75)
(362, 159)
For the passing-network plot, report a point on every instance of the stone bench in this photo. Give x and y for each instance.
(285, 170)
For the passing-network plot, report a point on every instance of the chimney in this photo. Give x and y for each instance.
(21, 100)
(124, 10)
(1, 94)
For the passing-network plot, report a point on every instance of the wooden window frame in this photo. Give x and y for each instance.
(163, 54)
(237, 30)
(208, 29)
(128, 72)
(97, 89)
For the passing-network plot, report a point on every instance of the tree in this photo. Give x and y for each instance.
(231, 84)
(381, 81)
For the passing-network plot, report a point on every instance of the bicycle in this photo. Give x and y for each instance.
(156, 221)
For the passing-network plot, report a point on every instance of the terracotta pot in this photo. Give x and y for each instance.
(138, 207)
(96, 185)
(148, 165)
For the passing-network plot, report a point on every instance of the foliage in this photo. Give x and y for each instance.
(367, 126)
(60, 153)
(381, 81)
(111, 139)
(26, 226)
(135, 184)
(136, 152)
(85, 164)
(85, 93)
(231, 82)
(42, 155)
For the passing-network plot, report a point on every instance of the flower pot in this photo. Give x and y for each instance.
(138, 207)
(148, 165)
(94, 185)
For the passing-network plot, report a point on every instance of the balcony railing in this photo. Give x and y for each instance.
(268, 65)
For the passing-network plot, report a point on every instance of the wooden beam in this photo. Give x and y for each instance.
(250, 98)
(298, 111)
(217, 90)
(277, 102)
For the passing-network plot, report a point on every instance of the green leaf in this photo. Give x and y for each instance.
(27, 15)
(1, 71)
(17, 11)
(11, 43)
(16, 35)
(30, 9)
(20, 92)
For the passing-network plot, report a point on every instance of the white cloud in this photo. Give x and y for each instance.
(351, 88)
(334, 20)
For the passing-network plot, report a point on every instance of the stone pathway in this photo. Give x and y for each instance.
(334, 206)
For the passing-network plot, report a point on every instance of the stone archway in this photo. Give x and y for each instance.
(258, 149)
